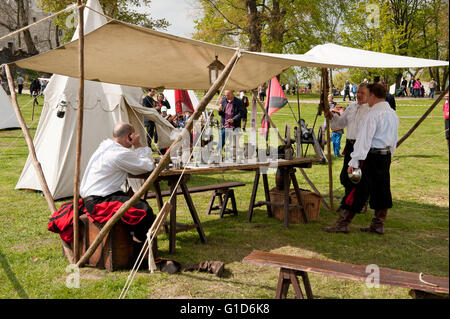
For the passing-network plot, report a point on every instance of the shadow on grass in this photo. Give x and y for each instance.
(416, 239)
(12, 277)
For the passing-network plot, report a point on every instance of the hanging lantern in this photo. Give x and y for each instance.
(61, 109)
(215, 68)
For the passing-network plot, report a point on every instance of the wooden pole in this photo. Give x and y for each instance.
(76, 183)
(424, 116)
(32, 151)
(326, 107)
(162, 164)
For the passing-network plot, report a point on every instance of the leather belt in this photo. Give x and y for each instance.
(380, 151)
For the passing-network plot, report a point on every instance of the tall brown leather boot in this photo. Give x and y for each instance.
(341, 225)
(377, 225)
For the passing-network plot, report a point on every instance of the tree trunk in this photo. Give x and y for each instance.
(23, 14)
(254, 27)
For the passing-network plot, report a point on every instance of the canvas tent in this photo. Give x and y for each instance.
(104, 105)
(8, 118)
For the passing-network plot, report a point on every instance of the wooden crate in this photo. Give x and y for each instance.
(117, 250)
(310, 200)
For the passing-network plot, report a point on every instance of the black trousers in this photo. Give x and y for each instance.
(151, 132)
(375, 185)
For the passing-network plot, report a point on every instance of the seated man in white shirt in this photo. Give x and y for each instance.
(374, 147)
(106, 172)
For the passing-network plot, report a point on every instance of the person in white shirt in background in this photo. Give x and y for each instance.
(352, 118)
(374, 147)
(106, 173)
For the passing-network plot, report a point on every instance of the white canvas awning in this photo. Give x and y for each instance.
(126, 54)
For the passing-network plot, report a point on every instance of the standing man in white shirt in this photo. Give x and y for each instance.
(106, 172)
(374, 147)
(352, 118)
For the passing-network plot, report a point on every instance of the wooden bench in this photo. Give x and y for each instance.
(292, 266)
(223, 191)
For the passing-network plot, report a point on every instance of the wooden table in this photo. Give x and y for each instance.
(172, 176)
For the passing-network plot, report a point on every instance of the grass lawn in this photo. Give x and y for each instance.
(416, 239)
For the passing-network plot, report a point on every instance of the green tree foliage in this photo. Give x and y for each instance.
(117, 9)
(416, 28)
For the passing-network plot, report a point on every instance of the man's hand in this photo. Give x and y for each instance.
(350, 170)
(230, 120)
(135, 140)
(219, 108)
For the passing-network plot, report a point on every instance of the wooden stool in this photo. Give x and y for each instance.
(223, 195)
(117, 250)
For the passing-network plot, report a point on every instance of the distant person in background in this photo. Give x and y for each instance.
(162, 101)
(35, 89)
(20, 84)
(150, 102)
(411, 86)
(309, 87)
(262, 91)
(354, 89)
(230, 110)
(347, 90)
(432, 86)
(391, 100)
(288, 89)
(417, 87)
(336, 134)
(446, 119)
(403, 86)
(245, 104)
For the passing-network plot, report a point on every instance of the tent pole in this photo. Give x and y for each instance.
(32, 151)
(163, 163)
(326, 110)
(424, 116)
(76, 183)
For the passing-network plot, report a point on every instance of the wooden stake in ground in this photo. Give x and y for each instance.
(76, 183)
(32, 151)
(163, 163)
(424, 116)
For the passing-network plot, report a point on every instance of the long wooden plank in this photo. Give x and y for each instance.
(388, 276)
(198, 189)
(298, 162)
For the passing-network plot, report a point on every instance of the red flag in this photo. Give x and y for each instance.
(183, 102)
(275, 101)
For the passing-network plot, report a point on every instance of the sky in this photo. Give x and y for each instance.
(179, 13)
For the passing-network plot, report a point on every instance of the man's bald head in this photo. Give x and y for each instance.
(122, 129)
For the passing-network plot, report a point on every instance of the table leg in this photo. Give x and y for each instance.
(287, 182)
(193, 212)
(158, 195)
(267, 194)
(173, 217)
(253, 196)
(299, 198)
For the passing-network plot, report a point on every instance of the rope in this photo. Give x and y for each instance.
(150, 238)
(69, 8)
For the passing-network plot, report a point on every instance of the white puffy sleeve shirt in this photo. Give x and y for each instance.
(108, 167)
(378, 130)
(352, 118)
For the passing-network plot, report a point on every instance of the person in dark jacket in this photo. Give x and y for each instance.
(150, 102)
(230, 110)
